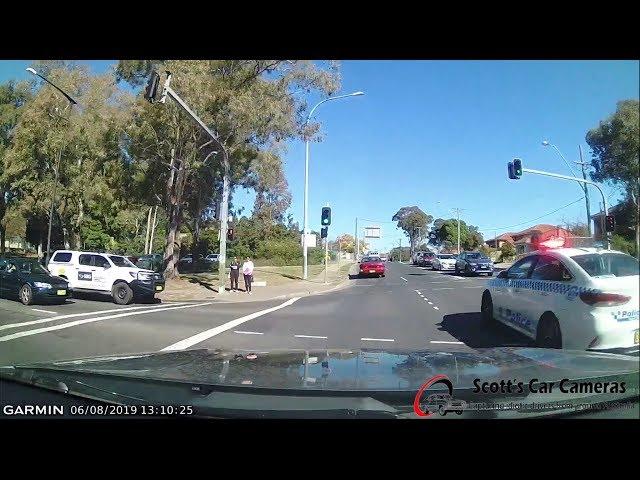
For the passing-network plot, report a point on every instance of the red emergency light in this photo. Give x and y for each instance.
(549, 240)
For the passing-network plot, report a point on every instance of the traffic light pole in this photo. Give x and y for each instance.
(581, 180)
(224, 206)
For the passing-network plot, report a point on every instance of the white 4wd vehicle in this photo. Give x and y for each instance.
(106, 273)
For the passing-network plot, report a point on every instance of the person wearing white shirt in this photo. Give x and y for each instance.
(247, 272)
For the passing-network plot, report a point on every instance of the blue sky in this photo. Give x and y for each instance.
(438, 134)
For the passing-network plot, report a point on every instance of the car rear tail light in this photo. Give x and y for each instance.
(603, 299)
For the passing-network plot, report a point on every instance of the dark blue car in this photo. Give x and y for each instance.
(29, 282)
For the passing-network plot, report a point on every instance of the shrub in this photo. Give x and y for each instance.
(618, 242)
(507, 252)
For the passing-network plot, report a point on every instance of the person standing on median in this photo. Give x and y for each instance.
(235, 274)
(247, 271)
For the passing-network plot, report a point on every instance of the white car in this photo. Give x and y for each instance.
(575, 298)
(444, 261)
(212, 257)
(105, 273)
(189, 258)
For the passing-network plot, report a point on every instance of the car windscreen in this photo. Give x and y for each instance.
(476, 256)
(446, 257)
(32, 267)
(607, 264)
(120, 261)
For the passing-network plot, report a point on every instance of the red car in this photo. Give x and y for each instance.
(372, 266)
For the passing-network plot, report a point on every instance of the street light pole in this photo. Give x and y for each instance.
(458, 210)
(57, 168)
(306, 181)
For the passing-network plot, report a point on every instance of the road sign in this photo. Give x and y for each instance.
(311, 240)
(372, 232)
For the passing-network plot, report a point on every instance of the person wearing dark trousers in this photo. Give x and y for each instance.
(247, 271)
(235, 274)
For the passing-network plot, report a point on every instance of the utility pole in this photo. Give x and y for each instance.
(586, 190)
(154, 224)
(224, 204)
(400, 249)
(357, 245)
(458, 210)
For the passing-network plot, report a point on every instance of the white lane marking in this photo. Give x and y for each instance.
(73, 315)
(310, 336)
(28, 333)
(43, 311)
(425, 299)
(403, 279)
(445, 288)
(436, 307)
(212, 332)
(248, 333)
(448, 343)
(417, 291)
(430, 303)
(377, 339)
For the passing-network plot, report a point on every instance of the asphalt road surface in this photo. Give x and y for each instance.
(411, 308)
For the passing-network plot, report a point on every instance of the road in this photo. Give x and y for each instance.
(410, 308)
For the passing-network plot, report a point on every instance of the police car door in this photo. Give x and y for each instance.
(518, 296)
(549, 279)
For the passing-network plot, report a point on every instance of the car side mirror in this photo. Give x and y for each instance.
(503, 274)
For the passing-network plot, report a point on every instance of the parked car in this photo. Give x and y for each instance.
(212, 257)
(416, 257)
(426, 260)
(153, 261)
(29, 282)
(105, 273)
(473, 263)
(444, 261)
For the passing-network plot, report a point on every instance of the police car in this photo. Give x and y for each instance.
(575, 298)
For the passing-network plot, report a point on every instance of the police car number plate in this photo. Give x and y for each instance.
(158, 288)
(372, 271)
(61, 292)
(635, 337)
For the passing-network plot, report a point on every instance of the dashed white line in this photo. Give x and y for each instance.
(248, 333)
(43, 311)
(436, 307)
(430, 303)
(205, 335)
(425, 299)
(37, 331)
(403, 279)
(310, 336)
(448, 343)
(366, 339)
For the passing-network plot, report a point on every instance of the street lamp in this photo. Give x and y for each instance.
(546, 143)
(306, 179)
(57, 169)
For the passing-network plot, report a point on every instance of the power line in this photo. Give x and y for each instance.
(533, 219)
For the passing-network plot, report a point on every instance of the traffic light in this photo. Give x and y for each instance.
(151, 90)
(326, 216)
(230, 233)
(324, 231)
(517, 167)
(609, 223)
(512, 176)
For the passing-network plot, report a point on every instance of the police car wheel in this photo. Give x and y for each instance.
(486, 308)
(549, 335)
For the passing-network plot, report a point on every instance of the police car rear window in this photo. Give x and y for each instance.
(608, 264)
(62, 257)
